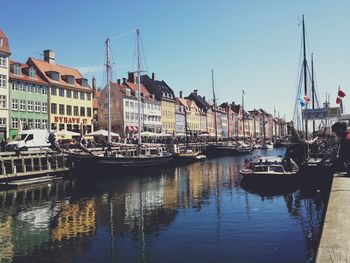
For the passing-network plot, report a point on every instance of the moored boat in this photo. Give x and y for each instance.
(272, 168)
(189, 156)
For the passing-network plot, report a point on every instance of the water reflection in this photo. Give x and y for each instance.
(197, 212)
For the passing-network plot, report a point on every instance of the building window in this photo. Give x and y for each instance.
(88, 96)
(2, 81)
(23, 122)
(14, 86)
(70, 79)
(29, 105)
(17, 70)
(32, 72)
(61, 109)
(53, 126)
(61, 92)
(14, 104)
(53, 91)
(22, 105)
(69, 93)
(127, 103)
(30, 123)
(44, 124)
(61, 127)
(53, 108)
(2, 61)
(37, 106)
(88, 112)
(82, 111)
(22, 87)
(69, 110)
(76, 111)
(127, 115)
(44, 107)
(82, 95)
(37, 124)
(75, 94)
(3, 102)
(1, 42)
(30, 88)
(44, 90)
(69, 127)
(2, 122)
(14, 123)
(37, 89)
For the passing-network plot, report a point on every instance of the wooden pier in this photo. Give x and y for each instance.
(28, 164)
(335, 241)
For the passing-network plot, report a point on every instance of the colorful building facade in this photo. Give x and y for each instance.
(70, 97)
(28, 99)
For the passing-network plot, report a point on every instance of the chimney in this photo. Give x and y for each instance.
(124, 79)
(180, 94)
(131, 77)
(118, 81)
(153, 76)
(49, 56)
(203, 97)
(93, 87)
(195, 92)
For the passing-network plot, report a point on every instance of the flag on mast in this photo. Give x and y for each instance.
(341, 95)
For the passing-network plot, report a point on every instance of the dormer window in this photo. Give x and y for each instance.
(32, 72)
(17, 70)
(128, 92)
(84, 83)
(53, 75)
(70, 79)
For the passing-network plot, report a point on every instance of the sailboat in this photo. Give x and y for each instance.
(144, 156)
(217, 148)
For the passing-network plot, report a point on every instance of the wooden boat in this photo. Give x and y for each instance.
(148, 157)
(189, 156)
(244, 148)
(143, 157)
(274, 169)
(222, 149)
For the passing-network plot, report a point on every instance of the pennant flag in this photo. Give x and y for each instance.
(306, 99)
(341, 95)
(338, 100)
(302, 103)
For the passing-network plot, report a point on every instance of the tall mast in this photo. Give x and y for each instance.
(186, 128)
(108, 69)
(212, 84)
(243, 114)
(313, 89)
(138, 86)
(305, 80)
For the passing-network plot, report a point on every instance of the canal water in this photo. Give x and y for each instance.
(192, 213)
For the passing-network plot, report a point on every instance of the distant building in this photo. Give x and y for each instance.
(70, 96)
(180, 116)
(29, 100)
(4, 86)
(151, 118)
(192, 113)
(165, 95)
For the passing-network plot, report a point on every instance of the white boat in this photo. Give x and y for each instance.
(274, 168)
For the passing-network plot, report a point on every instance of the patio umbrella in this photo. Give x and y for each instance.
(103, 133)
(63, 134)
(148, 134)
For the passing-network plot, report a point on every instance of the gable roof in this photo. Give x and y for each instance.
(45, 67)
(133, 87)
(157, 87)
(5, 47)
(199, 100)
(25, 74)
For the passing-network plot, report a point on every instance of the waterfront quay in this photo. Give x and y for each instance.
(335, 241)
(198, 212)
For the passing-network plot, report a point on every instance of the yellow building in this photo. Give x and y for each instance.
(193, 113)
(165, 95)
(70, 97)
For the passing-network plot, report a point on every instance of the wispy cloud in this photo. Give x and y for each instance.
(90, 69)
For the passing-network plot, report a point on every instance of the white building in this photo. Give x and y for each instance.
(4, 86)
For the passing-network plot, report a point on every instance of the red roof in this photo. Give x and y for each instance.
(5, 47)
(143, 89)
(45, 67)
(24, 76)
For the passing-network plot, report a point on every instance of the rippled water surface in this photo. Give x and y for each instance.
(191, 213)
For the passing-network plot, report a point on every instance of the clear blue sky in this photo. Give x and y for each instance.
(251, 45)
